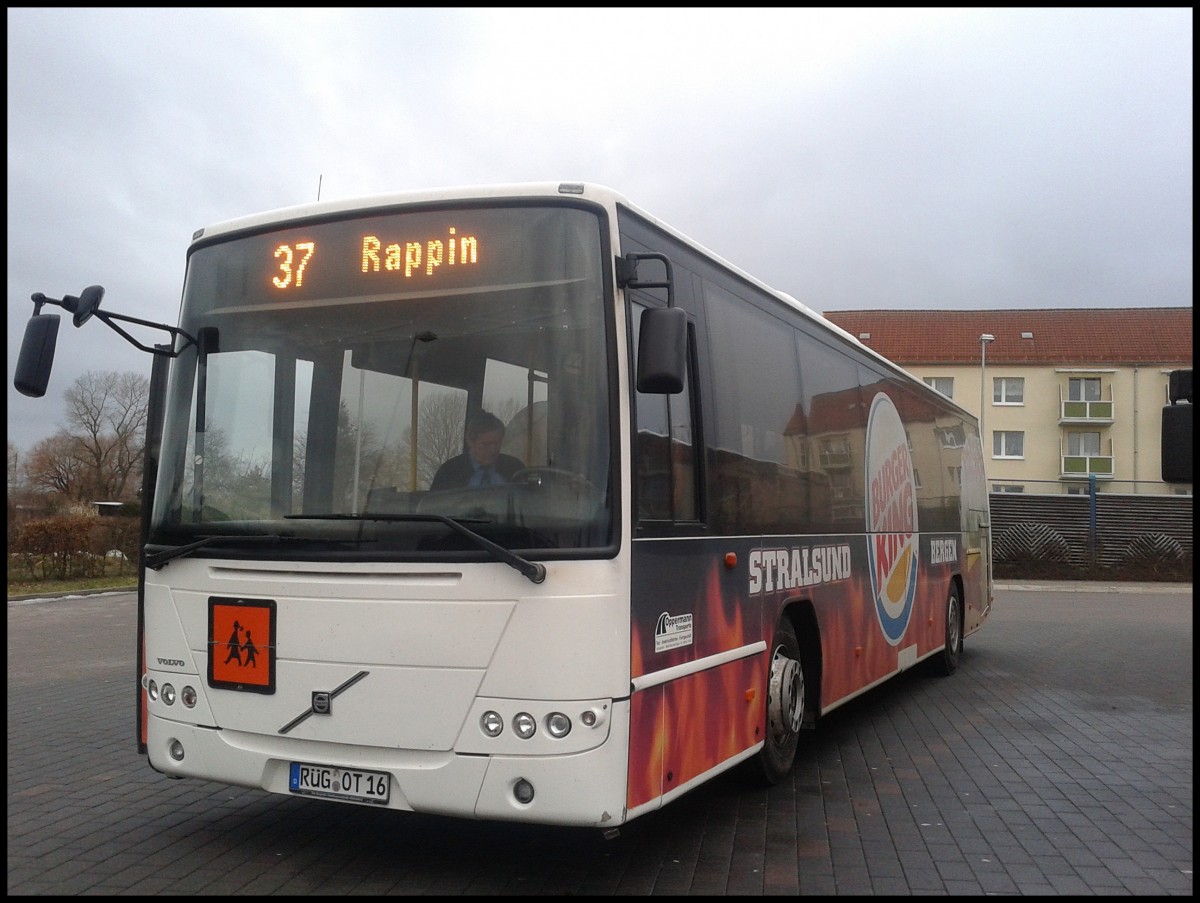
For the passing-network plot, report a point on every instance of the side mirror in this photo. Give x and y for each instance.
(37, 355)
(85, 305)
(662, 351)
(1177, 429)
(1177, 443)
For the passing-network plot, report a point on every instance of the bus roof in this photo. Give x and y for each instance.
(590, 191)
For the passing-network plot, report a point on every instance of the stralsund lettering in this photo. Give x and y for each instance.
(773, 570)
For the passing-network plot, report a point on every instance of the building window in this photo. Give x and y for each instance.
(955, 475)
(1009, 488)
(943, 384)
(1083, 388)
(1008, 444)
(917, 478)
(1083, 444)
(1081, 490)
(1008, 390)
(835, 452)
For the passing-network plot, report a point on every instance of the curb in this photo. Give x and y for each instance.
(1085, 586)
(74, 594)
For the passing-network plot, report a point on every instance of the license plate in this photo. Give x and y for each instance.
(340, 783)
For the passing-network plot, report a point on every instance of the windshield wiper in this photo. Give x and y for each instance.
(155, 560)
(533, 570)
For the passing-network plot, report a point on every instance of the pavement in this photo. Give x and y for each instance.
(1057, 760)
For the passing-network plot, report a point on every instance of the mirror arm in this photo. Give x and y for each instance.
(70, 304)
(627, 273)
(168, 351)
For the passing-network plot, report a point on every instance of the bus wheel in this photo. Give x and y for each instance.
(947, 662)
(785, 705)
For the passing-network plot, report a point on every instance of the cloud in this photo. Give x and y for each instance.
(860, 158)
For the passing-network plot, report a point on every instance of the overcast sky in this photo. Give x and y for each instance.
(854, 159)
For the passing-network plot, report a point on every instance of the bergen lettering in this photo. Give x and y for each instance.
(779, 569)
(942, 551)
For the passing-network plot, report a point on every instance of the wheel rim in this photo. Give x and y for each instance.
(786, 695)
(953, 627)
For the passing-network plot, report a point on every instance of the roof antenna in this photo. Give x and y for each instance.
(319, 178)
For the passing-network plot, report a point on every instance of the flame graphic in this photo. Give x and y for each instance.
(683, 728)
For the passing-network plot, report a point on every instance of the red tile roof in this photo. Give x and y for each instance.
(847, 409)
(1126, 335)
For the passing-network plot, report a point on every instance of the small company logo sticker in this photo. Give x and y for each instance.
(672, 631)
(891, 519)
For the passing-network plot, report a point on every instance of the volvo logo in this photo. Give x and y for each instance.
(322, 702)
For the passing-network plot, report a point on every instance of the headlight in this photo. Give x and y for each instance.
(524, 725)
(558, 725)
(491, 724)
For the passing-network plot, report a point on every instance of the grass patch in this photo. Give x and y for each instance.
(116, 576)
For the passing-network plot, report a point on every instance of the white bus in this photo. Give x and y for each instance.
(721, 517)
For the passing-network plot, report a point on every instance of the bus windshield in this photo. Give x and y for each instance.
(339, 364)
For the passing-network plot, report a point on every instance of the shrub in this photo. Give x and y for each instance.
(59, 548)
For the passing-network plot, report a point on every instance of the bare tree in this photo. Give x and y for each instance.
(14, 472)
(53, 466)
(23, 496)
(440, 426)
(106, 415)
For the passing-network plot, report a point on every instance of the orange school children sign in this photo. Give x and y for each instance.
(241, 644)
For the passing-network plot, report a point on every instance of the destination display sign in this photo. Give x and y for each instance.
(394, 255)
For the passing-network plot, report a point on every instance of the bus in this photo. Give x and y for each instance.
(729, 518)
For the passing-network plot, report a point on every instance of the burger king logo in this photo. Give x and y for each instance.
(891, 519)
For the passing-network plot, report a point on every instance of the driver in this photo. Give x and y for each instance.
(481, 464)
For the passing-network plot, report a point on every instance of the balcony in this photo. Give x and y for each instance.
(1085, 412)
(833, 458)
(1080, 467)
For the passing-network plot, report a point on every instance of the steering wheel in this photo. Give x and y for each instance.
(551, 476)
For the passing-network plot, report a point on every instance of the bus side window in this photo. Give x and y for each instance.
(665, 468)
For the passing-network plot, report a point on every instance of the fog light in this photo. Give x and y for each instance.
(491, 724)
(176, 750)
(168, 694)
(152, 691)
(524, 725)
(558, 724)
(188, 697)
(523, 792)
(588, 718)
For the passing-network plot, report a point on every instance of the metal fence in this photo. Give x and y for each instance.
(1101, 529)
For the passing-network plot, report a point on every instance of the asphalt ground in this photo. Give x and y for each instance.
(1057, 760)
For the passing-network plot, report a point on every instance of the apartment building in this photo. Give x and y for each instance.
(1063, 395)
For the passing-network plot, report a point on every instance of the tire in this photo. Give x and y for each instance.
(947, 660)
(784, 706)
